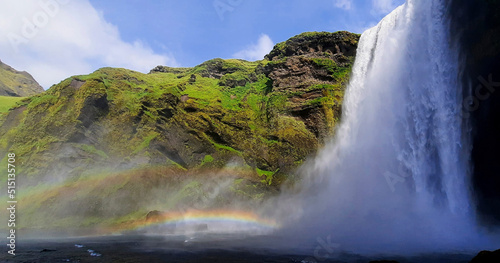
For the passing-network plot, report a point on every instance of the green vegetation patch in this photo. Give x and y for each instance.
(6, 103)
(268, 175)
(92, 150)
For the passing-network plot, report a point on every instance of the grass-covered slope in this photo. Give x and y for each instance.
(264, 117)
(269, 114)
(6, 103)
(16, 83)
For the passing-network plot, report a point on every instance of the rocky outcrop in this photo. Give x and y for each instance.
(17, 83)
(165, 69)
(313, 69)
(324, 44)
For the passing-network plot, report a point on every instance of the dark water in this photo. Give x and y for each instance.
(200, 248)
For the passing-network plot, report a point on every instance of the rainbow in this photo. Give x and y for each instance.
(239, 218)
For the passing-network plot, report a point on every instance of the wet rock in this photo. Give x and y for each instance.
(47, 250)
(154, 216)
(487, 257)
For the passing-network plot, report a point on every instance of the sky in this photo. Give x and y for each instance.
(56, 39)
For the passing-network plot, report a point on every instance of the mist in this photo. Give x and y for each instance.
(395, 179)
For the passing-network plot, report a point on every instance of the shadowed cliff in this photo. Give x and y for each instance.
(476, 27)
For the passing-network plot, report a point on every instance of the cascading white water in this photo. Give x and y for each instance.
(395, 177)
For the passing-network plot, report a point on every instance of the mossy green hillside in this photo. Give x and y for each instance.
(232, 110)
(265, 117)
(6, 103)
(15, 83)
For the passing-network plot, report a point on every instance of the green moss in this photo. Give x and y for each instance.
(227, 148)
(326, 63)
(175, 164)
(223, 147)
(278, 101)
(239, 64)
(312, 34)
(207, 159)
(268, 175)
(317, 102)
(232, 98)
(280, 46)
(35, 146)
(205, 91)
(226, 65)
(342, 74)
(145, 143)
(92, 150)
(41, 100)
(6, 103)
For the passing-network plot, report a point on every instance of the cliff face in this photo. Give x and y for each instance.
(476, 27)
(17, 83)
(258, 119)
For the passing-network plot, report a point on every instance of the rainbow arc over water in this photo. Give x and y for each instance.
(234, 218)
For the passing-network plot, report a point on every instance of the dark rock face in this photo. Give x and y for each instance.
(17, 83)
(306, 62)
(216, 69)
(476, 27)
(94, 107)
(320, 44)
(76, 84)
(487, 257)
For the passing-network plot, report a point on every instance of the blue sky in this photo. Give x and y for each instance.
(54, 39)
(195, 31)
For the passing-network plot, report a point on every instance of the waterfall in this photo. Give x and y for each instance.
(396, 176)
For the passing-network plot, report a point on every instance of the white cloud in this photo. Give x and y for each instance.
(384, 6)
(256, 51)
(343, 4)
(55, 39)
